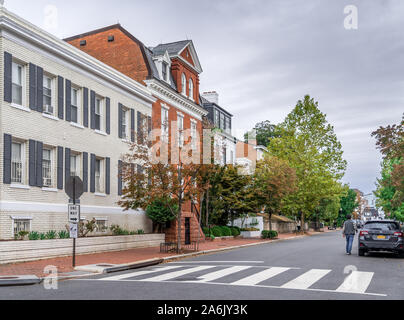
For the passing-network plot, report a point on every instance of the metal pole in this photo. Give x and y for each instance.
(74, 239)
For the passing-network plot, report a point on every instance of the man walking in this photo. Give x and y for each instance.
(349, 232)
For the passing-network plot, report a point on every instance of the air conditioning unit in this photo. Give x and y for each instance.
(48, 109)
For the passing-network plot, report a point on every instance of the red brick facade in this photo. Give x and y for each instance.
(127, 54)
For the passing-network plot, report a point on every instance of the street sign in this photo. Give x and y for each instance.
(74, 213)
(73, 230)
(74, 187)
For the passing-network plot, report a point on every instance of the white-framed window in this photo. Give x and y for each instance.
(17, 163)
(48, 94)
(17, 83)
(21, 224)
(125, 123)
(228, 125)
(75, 165)
(75, 105)
(98, 176)
(47, 168)
(102, 224)
(191, 89)
(180, 126)
(217, 119)
(164, 71)
(184, 84)
(98, 113)
(164, 124)
(193, 135)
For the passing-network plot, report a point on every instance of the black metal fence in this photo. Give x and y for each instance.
(169, 247)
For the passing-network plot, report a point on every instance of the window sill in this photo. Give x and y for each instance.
(73, 124)
(101, 133)
(20, 186)
(17, 106)
(98, 194)
(49, 116)
(49, 189)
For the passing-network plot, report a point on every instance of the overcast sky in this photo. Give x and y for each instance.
(262, 56)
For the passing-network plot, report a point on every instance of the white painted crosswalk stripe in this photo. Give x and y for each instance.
(260, 276)
(307, 279)
(356, 282)
(139, 273)
(176, 274)
(221, 273)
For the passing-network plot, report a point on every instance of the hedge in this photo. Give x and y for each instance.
(226, 231)
(266, 234)
(235, 231)
(216, 231)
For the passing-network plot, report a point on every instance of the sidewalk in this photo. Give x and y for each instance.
(64, 264)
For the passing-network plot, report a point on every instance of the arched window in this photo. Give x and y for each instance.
(184, 84)
(191, 89)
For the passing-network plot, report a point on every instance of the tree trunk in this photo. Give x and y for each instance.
(207, 207)
(302, 222)
(179, 227)
(270, 222)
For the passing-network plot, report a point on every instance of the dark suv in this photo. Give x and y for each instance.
(381, 235)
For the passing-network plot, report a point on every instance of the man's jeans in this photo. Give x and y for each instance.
(349, 241)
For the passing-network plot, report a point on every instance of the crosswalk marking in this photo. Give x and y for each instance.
(260, 276)
(139, 273)
(176, 274)
(221, 273)
(356, 282)
(307, 279)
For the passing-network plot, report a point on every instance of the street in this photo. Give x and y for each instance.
(314, 267)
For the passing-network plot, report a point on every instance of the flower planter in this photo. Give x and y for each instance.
(250, 234)
(18, 251)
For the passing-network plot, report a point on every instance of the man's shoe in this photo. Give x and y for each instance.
(347, 253)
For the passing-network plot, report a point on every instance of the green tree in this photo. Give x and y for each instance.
(274, 179)
(386, 192)
(160, 213)
(264, 132)
(308, 143)
(348, 204)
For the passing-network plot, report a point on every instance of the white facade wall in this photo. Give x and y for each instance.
(47, 208)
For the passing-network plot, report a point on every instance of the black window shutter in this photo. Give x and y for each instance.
(8, 71)
(7, 159)
(92, 107)
(68, 100)
(139, 128)
(32, 87)
(39, 152)
(32, 163)
(67, 164)
(132, 125)
(60, 98)
(107, 175)
(85, 107)
(120, 116)
(119, 178)
(39, 83)
(108, 115)
(85, 171)
(92, 173)
(60, 168)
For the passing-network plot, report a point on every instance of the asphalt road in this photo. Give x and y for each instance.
(314, 267)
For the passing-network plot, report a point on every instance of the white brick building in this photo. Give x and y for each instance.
(59, 116)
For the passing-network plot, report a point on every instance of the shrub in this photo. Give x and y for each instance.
(235, 231)
(33, 235)
(51, 235)
(42, 236)
(266, 234)
(216, 231)
(21, 235)
(212, 237)
(226, 231)
(249, 229)
(140, 231)
(205, 231)
(63, 234)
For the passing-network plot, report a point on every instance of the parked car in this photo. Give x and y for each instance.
(381, 235)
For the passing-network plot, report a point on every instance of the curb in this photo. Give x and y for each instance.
(19, 280)
(109, 268)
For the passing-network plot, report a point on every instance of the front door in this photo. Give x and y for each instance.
(187, 231)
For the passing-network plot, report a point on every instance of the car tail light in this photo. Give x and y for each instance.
(362, 233)
(398, 234)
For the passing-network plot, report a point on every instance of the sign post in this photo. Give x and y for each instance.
(74, 189)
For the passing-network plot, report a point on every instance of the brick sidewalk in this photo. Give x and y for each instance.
(64, 264)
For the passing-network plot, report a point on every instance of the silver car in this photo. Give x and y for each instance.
(381, 235)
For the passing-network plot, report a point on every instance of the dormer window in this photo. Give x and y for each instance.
(184, 84)
(191, 89)
(165, 71)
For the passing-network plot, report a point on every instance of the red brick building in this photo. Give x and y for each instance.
(171, 72)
